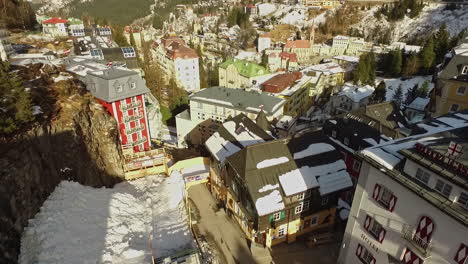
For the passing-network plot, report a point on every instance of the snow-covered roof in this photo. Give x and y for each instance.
(356, 93)
(387, 154)
(326, 68)
(269, 203)
(313, 149)
(220, 148)
(334, 182)
(419, 103)
(347, 58)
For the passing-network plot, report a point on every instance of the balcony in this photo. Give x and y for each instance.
(130, 105)
(139, 141)
(134, 129)
(132, 118)
(417, 242)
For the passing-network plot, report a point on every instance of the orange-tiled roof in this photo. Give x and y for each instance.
(298, 44)
(55, 20)
(288, 56)
(280, 82)
(176, 50)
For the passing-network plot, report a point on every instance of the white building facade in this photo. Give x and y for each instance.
(413, 214)
(5, 47)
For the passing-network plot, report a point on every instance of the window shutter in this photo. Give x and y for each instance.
(382, 235)
(359, 250)
(372, 261)
(462, 254)
(271, 218)
(282, 215)
(367, 222)
(376, 192)
(392, 203)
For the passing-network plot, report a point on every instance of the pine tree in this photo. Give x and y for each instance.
(428, 55)
(132, 39)
(398, 95)
(412, 94)
(396, 63)
(424, 90)
(118, 36)
(441, 43)
(380, 92)
(203, 75)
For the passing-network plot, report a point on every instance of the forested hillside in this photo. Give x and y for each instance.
(17, 14)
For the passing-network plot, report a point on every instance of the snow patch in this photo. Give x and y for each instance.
(313, 149)
(271, 162)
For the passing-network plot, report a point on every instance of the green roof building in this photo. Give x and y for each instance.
(235, 73)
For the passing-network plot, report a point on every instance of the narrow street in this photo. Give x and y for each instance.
(215, 225)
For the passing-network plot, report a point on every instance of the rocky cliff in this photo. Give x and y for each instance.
(79, 143)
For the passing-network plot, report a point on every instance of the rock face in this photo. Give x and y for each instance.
(81, 144)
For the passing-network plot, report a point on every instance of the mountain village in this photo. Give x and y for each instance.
(249, 132)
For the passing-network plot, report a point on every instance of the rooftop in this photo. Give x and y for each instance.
(356, 92)
(419, 103)
(55, 20)
(245, 68)
(297, 44)
(280, 82)
(326, 68)
(250, 101)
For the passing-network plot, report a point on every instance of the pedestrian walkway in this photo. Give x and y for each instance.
(217, 225)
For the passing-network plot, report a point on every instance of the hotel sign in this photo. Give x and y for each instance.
(452, 164)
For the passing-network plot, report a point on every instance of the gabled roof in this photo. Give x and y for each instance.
(275, 169)
(55, 20)
(245, 68)
(279, 82)
(452, 70)
(297, 44)
(262, 121)
(235, 134)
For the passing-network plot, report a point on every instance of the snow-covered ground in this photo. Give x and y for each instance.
(298, 16)
(79, 224)
(393, 83)
(430, 19)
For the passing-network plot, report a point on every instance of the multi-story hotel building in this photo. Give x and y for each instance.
(178, 61)
(411, 201)
(122, 92)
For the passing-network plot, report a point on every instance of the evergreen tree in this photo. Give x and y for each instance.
(428, 55)
(132, 39)
(396, 62)
(424, 90)
(118, 36)
(411, 94)
(412, 65)
(365, 70)
(398, 95)
(380, 92)
(441, 43)
(213, 77)
(15, 106)
(201, 67)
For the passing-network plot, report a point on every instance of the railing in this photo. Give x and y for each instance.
(409, 233)
(134, 129)
(130, 105)
(132, 118)
(139, 141)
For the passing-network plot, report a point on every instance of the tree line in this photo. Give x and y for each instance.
(17, 15)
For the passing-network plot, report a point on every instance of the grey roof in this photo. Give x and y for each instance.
(250, 101)
(262, 121)
(452, 71)
(116, 54)
(105, 84)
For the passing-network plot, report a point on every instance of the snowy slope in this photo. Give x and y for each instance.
(430, 19)
(79, 224)
(393, 83)
(298, 16)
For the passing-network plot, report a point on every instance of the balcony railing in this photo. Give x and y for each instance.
(134, 129)
(409, 233)
(132, 118)
(130, 105)
(139, 141)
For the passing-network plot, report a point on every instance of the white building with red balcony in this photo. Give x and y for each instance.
(122, 92)
(411, 200)
(55, 27)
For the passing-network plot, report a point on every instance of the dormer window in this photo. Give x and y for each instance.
(132, 85)
(334, 133)
(346, 141)
(464, 70)
(118, 88)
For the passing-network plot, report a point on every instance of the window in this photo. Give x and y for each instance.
(443, 188)
(422, 176)
(277, 216)
(465, 70)
(199, 105)
(299, 208)
(357, 165)
(334, 133)
(128, 52)
(454, 108)
(133, 85)
(461, 90)
(314, 220)
(375, 228)
(119, 88)
(281, 232)
(384, 196)
(325, 200)
(463, 200)
(346, 141)
(367, 256)
(306, 205)
(301, 196)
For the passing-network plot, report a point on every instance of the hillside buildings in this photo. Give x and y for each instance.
(411, 199)
(302, 48)
(234, 73)
(76, 27)
(55, 27)
(212, 106)
(122, 92)
(5, 46)
(451, 91)
(282, 61)
(276, 190)
(329, 76)
(178, 61)
(264, 42)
